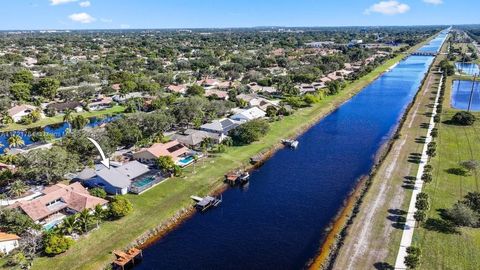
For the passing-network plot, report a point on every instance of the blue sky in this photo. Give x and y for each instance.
(114, 14)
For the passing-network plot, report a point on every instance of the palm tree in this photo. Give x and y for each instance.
(17, 188)
(68, 116)
(98, 214)
(68, 225)
(7, 119)
(15, 141)
(85, 219)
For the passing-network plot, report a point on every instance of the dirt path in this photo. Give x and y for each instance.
(380, 216)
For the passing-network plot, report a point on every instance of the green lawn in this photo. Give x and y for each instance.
(59, 119)
(160, 203)
(451, 250)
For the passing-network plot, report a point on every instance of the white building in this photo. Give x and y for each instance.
(8, 242)
(17, 112)
(248, 115)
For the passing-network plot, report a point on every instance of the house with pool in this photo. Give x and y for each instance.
(120, 179)
(57, 202)
(180, 154)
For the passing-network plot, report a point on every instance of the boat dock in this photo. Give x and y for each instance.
(237, 177)
(128, 258)
(206, 202)
(290, 143)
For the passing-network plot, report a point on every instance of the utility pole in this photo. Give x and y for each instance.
(471, 92)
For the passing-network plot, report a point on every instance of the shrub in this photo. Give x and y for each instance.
(422, 196)
(463, 118)
(56, 244)
(434, 133)
(120, 207)
(472, 200)
(249, 132)
(98, 192)
(462, 215)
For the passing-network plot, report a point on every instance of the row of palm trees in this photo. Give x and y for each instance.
(82, 221)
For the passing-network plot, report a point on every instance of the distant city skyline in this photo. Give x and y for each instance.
(142, 14)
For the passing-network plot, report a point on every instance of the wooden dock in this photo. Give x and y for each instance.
(124, 259)
(237, 177)
(206, 202)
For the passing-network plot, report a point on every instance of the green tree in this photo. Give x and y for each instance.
(463, 118)
(422, 204)
(98, 192)
(195, 90)
(14, 221)
(470, 165)
(79, 122)
(21, 91)
(120, 207)
(85, 219)
(17, 188)
(48, 165)
(68, 116)
(420, 216)
(249, 132)
(472, 200)
(165, 163)
(462, 215)
(128, 86)
(19, 260)
(23, 76)
(56, 244)
(68, 225)
(48, 87)
(15, 141)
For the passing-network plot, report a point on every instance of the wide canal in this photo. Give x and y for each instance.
(278, 222)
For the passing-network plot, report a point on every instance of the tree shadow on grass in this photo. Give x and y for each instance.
(383, 266)
(409, 182)
(440, 225)
(414, 158)
(420, 139)
(424, 125)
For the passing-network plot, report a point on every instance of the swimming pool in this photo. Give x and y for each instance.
(461, 90)
(144, 181)
(185, 161)
(467, 68)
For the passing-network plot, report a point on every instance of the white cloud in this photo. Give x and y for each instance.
(433, 2)
(390, 7)
(61, 2)
(82, 17)
(124, 26)
(85, 4)
(105, 20)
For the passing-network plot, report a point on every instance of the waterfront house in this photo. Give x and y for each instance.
(193, 138)
(100, 103)
(132, 177)
(58, 201)
(222, 126)
(61, 107)
(19, 111)
(306, 88)
(173, 149)
(248, 115)
(8, 242)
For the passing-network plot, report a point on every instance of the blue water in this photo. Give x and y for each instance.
(461, 91)
(58, 130)
(468, 68)
(279, 220)
(186, 160)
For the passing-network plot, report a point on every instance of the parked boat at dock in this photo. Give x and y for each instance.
(290, 143)
(206, 202)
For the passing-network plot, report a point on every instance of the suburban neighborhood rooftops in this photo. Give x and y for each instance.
(114, 177)
(194, 137)
(172, 148)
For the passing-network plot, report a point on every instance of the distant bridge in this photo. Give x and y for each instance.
(427, 53)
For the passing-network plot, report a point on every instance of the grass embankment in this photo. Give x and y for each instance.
(59, 119)
(443, 250)
(159, 204)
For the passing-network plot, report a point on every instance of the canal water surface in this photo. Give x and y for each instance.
(278, 221)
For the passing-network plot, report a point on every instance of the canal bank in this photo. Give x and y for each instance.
(161, 203)
(280, 182)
